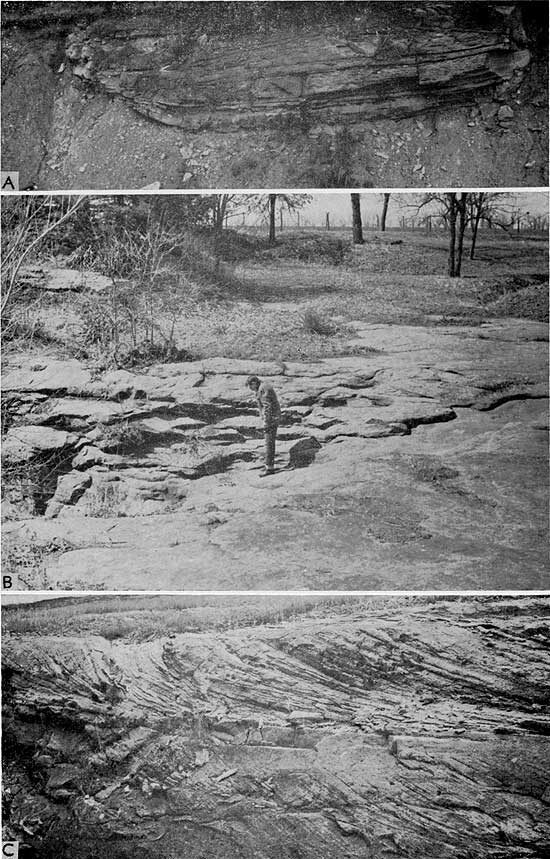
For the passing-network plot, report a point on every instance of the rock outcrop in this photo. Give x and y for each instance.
(386, 61)
(59, 279)
(421, 460)
(359, 71)
(300, 82)
(387, 730)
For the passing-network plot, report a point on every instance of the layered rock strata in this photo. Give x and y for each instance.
(397, 730)
(425, 458)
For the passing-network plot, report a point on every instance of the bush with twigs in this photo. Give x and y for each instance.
(28, 224)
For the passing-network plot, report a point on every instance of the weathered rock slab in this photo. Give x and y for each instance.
(24, 443)
(64, 279)
(70, 487)
(416, 466)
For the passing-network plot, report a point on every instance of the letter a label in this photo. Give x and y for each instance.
(9, 181)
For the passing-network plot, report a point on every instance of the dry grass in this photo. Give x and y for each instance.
(303, 311)
(104, 502)
(262, 332)
(150, 617)
(26, 561)
(295, 301)
(141, 618)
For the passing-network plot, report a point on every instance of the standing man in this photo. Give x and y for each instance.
(270, 413)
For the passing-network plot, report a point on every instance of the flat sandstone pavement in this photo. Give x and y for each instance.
(422, 465)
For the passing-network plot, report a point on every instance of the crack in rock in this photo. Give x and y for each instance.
(171, 445)
(416, 728)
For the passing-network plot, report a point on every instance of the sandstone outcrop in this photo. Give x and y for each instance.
(391, 730)
(360, 73)
(385, 61)
(209, 98)
(63, 279)
(421, 461)
(27, 443)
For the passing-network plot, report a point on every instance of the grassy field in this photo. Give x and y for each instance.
(298, 299)
(143, 618)
(140, 618)
(148, 617)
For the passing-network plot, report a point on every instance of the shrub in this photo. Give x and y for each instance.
(104, 502)
(147, 353)
(314, 323)
(121, 437)
(116, 627)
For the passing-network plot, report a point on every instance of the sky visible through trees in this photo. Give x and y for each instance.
(339, 206)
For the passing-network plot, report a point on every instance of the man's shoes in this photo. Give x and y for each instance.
(266, 472)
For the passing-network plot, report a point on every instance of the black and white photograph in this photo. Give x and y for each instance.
(172, 726)
(275, 462)
(281, 392)
(255, 95)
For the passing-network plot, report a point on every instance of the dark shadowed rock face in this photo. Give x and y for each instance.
(390, 731)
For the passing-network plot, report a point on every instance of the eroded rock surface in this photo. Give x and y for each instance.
(391, 730)
(293, 102)
(224, 83)
(421, 464)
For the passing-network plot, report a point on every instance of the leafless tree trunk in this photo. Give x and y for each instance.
(451, 197)
(457, 215)
(478, 201)
(220, 210)
(462, 220)
(272, 202)
(384, 212)
(356, 220)
(475, 228)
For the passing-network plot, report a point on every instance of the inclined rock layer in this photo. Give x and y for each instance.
(360, 74)
(330, 96)
(395, 730)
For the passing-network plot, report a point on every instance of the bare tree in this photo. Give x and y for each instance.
(227, 206)
(287, 202)
(384, 212)
(451, 218)
(490, 208)
(356, 219)
(476, 208)
(272, 201)
(461, 204)
(457, 217)
(452, 208)
(219, 213)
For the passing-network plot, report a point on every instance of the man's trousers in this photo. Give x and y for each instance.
(270, 434)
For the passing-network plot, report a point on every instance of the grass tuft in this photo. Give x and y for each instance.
(315, 323)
